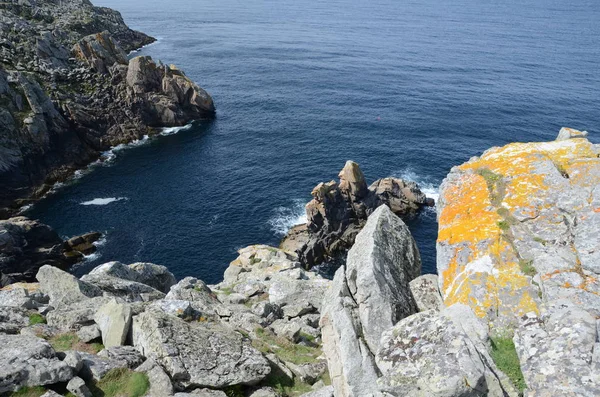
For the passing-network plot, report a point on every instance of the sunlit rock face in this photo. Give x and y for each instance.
(518, 242)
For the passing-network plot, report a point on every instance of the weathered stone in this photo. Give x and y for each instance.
(426, 293)
(76, 315)
(156, 276)
(29, 361)
(338, 212)
(558, 351)
(443, 354)
(160, 383)
(202, 300)
(13, 319)
(73, 359)
(78, 387)
(99, 51)
(200, 354)
(114, 320)
(126, 356)
(326, 391)
(95, 367)
(64, 288)
(265, 392)
(369, 295)
(130, 291)
(89, 333)
(286, 329)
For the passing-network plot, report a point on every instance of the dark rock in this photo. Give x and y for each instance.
(78, 105)
(338, 211)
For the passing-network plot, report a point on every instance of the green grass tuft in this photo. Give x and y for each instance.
(36, 391)
(505, 356)
(268, 342)
(527, 267)
(121, 382)
(64, 342)
(36, 318)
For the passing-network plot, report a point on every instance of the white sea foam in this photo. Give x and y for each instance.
(174, 130)
(144, 46)
(426, 184)
(285, 218)
(103, 201)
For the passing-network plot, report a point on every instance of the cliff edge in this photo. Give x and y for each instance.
(69, 92)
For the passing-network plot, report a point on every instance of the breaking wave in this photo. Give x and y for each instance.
(284, 218)
(103, 201)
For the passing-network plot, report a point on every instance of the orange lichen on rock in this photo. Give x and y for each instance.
(482, 201)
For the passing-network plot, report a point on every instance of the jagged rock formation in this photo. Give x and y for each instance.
(68, 92)
(369, 295)
(196, 339)
(518, 242)
(339, 211)
(26, 245)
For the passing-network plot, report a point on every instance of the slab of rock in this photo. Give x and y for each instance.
(75, 316)
(114, 321)
(201, 299)
(29, 361)
(78, 387)
(127, 356)
(558, 351)
(156, 276)
(439, 354)
(88, 333)
(94, 367)
(99, 51)
(426, 293)
(160, 383)
(13, 319)
(200, 354)
(570, 133)
(64, 288)
(326, 391)
(368, 296)
(130, 291)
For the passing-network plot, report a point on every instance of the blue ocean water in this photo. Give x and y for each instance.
(406, 88)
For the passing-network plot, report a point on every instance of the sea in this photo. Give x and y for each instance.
(405, 88)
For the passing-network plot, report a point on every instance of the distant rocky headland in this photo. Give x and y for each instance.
(69, 92)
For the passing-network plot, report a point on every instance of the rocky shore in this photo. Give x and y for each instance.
(513, 312)
(68, 92)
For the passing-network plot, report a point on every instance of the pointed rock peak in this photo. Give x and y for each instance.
(352, 181)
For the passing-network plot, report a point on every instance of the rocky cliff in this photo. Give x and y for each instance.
(514, 311)
(518, 243)
(68, 92)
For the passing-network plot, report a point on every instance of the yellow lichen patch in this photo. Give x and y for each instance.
(468, 215)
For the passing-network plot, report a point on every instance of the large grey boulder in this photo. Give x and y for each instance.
(127, 356)
(29, 361)
(64, 288)
(76, 315)
(198, 354)
(78, 387)
(379, 268)
(559, 351)
(368, 296)
(439, 354)
(156, 276)
(94, 367)
(202, 301)
(114, 321)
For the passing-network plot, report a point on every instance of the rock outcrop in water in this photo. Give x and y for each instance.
(338, 211)
(68, 92)
(26, 245)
